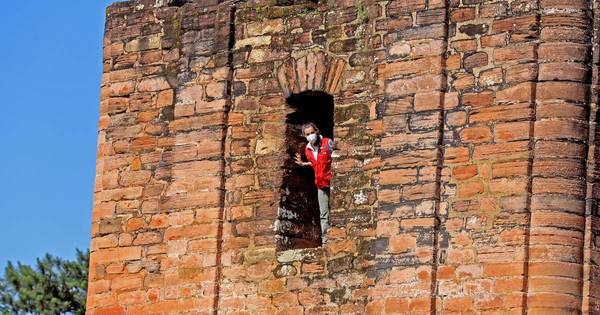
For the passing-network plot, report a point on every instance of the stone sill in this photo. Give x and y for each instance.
(300, 255)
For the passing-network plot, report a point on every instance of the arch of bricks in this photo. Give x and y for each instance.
(310, 70)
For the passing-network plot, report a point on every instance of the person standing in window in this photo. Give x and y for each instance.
(318, 152)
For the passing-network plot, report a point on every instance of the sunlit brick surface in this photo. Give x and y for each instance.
(464, 175)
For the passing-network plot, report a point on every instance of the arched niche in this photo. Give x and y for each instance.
(308, 79)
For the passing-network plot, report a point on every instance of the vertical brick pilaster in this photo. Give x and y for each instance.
(492, 71)
(160, 195)
(560, 137)
(414, 81)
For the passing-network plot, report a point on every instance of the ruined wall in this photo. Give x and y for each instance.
(464, 172)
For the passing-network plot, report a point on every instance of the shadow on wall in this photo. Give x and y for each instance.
(298, 213)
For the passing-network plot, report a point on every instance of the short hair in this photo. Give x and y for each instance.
(306, 125)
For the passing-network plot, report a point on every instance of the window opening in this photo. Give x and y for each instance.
(299, 222)
(178, 3)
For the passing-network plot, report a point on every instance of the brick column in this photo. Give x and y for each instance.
(491, 66)
(159, 188)
(560, 134)
(414, 81)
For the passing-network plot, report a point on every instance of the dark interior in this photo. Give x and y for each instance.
(178, 3)
(298, 215)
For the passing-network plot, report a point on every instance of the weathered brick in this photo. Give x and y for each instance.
(470, 189)
(424, 83)
(464, 172)
(562, 90)
(399, 244)
(482, 99)
(475, 134)
(512, 131)
(464, 158)
(514, 53)
(462, 14)
(475, 60)
(456, 154)
(508, 169)
(508, 186)
(399, 176)
(560, 129)
(495, 40)
(519, 23)
(466, 45)
(153, 84)
(503, 150)
(399, 68)
(563, 71)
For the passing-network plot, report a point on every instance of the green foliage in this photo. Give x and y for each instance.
(55, 286)
(361, 13)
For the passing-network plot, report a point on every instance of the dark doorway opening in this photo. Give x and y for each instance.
(177, 3)
(298, 214)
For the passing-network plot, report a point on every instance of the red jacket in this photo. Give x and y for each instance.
(322, 165)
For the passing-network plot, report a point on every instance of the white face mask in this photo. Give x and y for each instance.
(312, 138)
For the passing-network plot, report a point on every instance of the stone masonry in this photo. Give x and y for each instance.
(465, 166)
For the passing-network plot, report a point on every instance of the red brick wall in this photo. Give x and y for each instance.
(465, 170)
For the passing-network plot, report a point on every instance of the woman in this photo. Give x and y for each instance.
(318, 151)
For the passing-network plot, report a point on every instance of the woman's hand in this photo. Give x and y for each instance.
(298, 160)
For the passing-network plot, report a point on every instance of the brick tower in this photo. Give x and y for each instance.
(464, 165)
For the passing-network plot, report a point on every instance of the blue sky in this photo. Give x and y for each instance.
(50, 68)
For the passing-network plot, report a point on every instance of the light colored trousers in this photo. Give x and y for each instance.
(323, 196)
